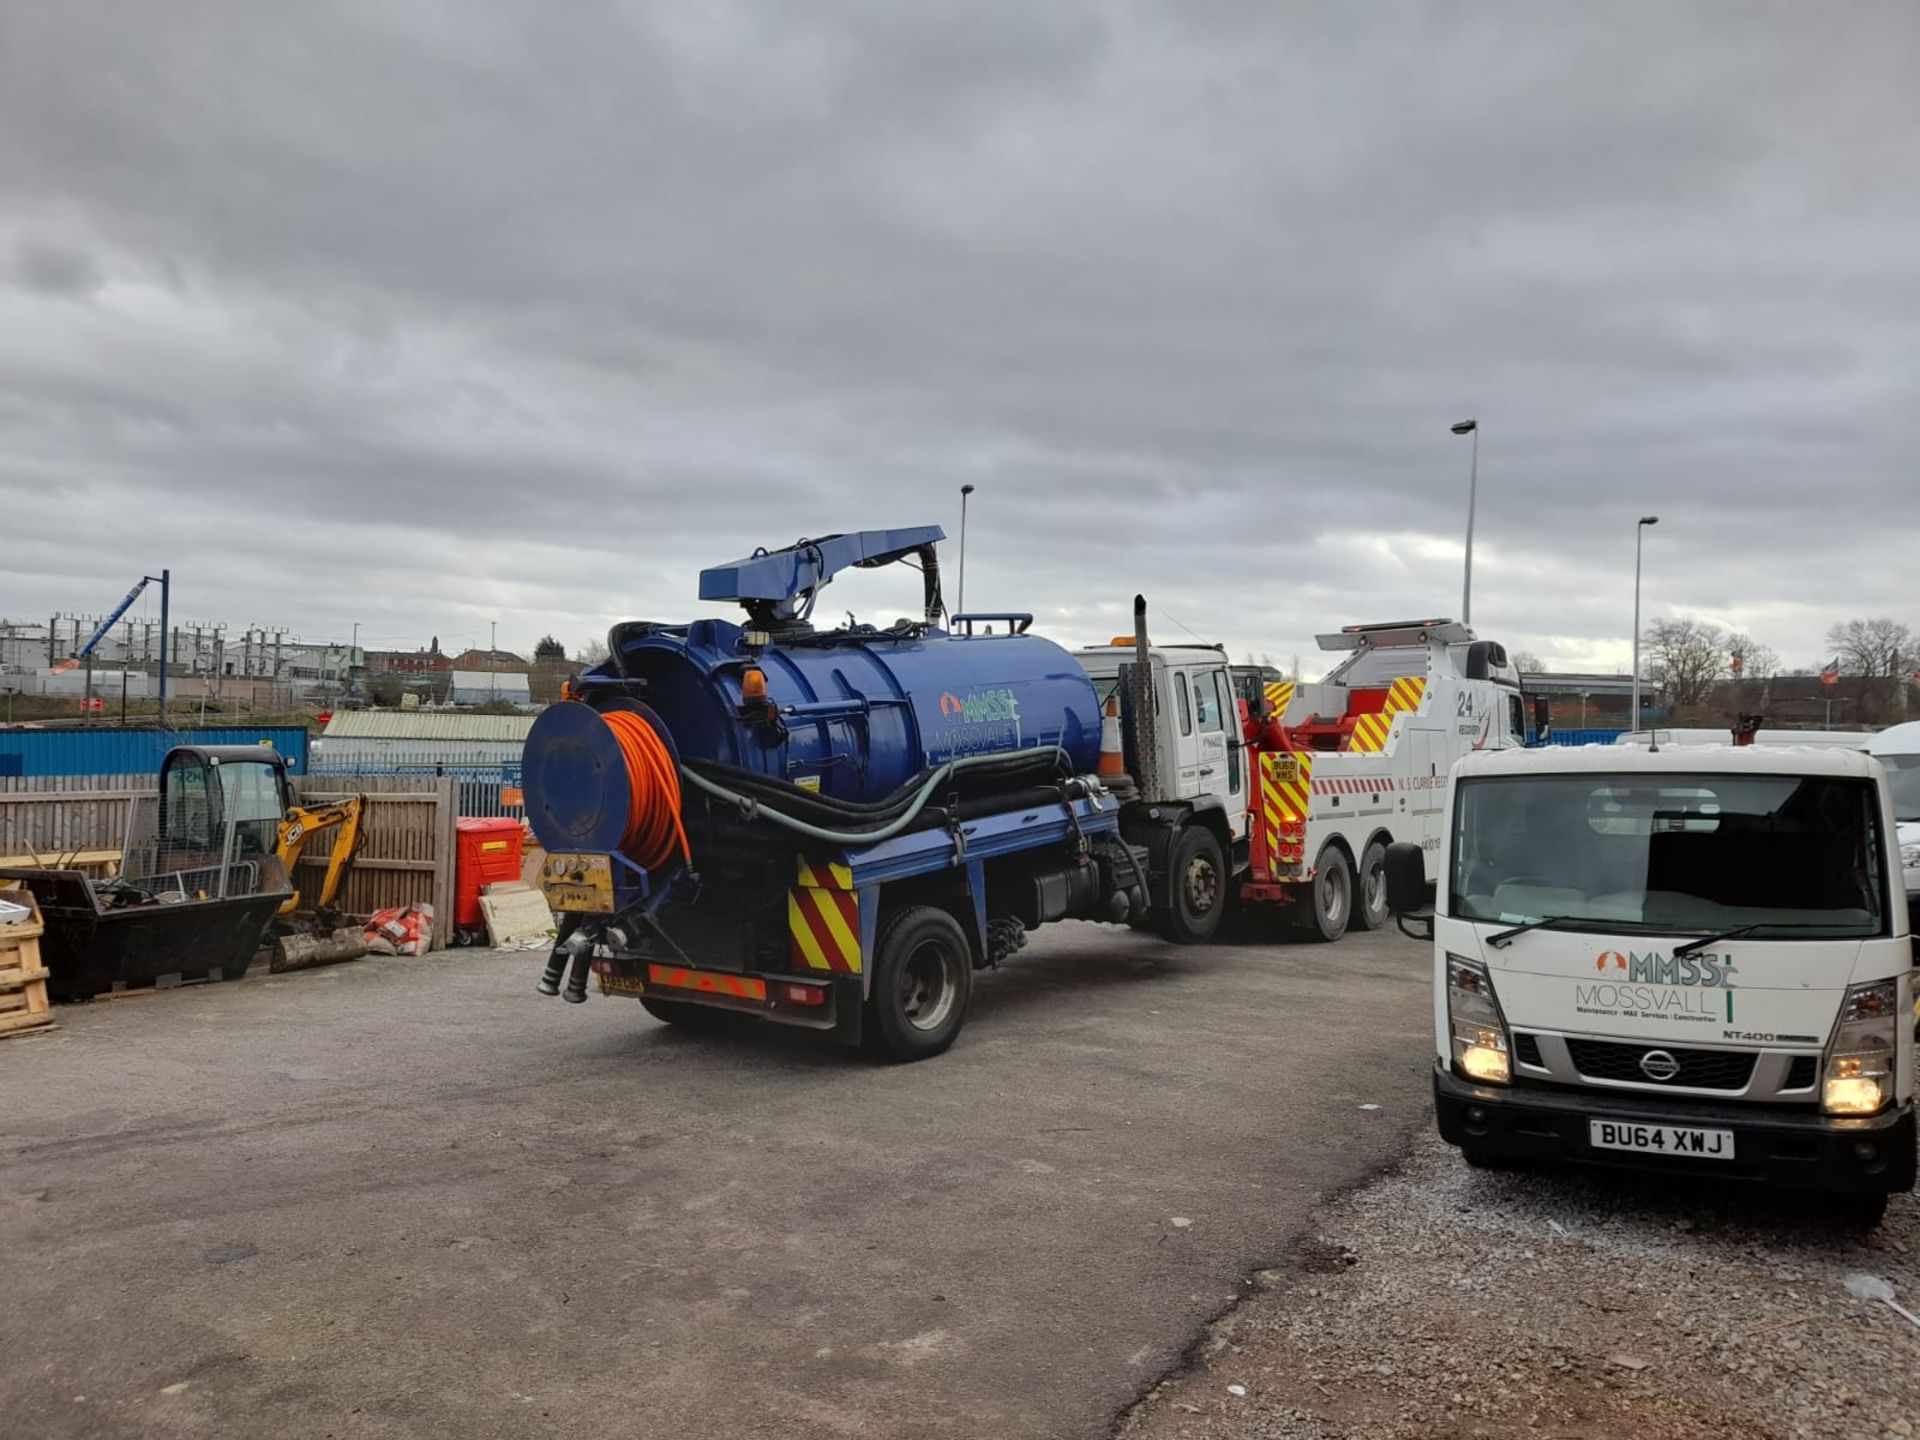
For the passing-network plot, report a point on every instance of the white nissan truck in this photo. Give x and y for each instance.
(1697, 960)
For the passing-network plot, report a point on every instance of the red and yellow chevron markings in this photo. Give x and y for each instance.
(1279, 696)
(1286, 783)
(823, 918)
(1370, 732)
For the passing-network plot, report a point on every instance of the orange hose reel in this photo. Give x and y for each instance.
(654, 831)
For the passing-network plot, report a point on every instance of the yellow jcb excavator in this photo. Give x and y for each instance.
(203, 787)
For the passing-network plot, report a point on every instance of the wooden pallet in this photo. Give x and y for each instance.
(23, 979)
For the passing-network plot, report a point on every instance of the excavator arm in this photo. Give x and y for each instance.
(301, 823)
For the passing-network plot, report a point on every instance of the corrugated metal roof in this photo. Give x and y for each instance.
(425, 725)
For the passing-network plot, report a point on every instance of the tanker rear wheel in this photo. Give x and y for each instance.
(922, 981)
(1197, 882)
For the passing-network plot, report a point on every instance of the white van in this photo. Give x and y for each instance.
(1897, 748)
(1695, 959)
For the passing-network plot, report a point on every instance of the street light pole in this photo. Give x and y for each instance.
(1639, 534)
(1470, 427)
(165, 577)
(960, 607)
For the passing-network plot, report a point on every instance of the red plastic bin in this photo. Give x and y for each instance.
(486, 851)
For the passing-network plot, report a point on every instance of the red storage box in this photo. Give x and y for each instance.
(487, 851)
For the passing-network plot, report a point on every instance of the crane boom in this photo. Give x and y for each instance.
(105, 625)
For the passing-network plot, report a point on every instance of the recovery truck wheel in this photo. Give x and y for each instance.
(1373, 910)
(1197, 883)
(922, 982)
(1331, 903)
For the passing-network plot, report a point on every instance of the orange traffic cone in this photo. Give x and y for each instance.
(1113, 764)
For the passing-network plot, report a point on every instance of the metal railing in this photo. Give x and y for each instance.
(482, 789)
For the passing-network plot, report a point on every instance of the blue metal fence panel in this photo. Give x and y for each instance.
(1589, 736)
(134, 750)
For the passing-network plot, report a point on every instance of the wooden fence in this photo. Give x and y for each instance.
(406, 856)
(76, 819)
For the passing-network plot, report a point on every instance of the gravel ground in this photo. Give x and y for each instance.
(1443, 1301)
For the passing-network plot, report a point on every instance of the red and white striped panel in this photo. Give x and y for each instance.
(1353, 787)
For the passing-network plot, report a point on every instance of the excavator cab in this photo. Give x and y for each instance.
(203, 786)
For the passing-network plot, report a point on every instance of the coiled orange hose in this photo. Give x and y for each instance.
(654, 830)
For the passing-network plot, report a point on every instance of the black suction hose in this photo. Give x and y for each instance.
(564, 945)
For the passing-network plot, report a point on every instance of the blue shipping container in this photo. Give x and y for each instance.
(136, 750)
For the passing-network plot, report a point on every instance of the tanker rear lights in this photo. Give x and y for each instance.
(707, 982)
(811, 995)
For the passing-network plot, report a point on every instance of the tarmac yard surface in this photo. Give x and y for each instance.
(414, 1198)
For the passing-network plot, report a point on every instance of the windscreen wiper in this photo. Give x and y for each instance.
(1706, 940)
(1505, 937)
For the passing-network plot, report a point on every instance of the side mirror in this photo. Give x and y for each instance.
(1407, 893)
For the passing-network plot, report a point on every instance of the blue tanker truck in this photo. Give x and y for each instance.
(835, 827)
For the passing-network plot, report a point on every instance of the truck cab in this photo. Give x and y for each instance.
(1696, 960)
(1897, 748)
(1192, 769)
(1197, 723)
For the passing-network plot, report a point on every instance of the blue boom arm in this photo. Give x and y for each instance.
(777, 584)
(107, 624)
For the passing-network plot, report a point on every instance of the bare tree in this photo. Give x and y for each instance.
(1883, 648)
(1882, 652)
(1686, 657)
(1527, 663)
(1757, 661)
(591, 653)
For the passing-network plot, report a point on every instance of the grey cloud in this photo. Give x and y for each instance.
(1191, 291)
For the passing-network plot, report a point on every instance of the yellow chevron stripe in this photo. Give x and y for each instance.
(802, 933)
(1370, 733)
(1407, 693)
(832, 876)
(844, 939)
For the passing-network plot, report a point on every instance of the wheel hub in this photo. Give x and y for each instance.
(1202, 885)
(926, 988)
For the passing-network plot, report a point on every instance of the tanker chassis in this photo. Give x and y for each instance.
(835, 828)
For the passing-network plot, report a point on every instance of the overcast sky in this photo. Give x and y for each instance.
(402, 313)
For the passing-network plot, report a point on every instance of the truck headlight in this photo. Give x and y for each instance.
(1480, 1048)
(1861, 1058)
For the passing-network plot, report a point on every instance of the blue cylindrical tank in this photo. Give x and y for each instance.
(860, 714)
(868, 712)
